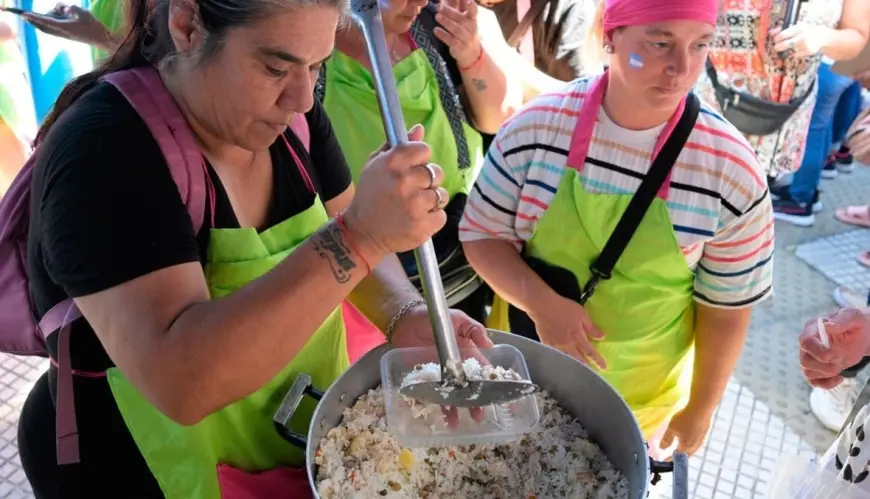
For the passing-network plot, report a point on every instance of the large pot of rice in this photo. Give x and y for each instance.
(587, 443)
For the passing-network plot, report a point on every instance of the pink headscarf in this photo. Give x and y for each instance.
(621, 13)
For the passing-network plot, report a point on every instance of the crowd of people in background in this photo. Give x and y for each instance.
(502, 88)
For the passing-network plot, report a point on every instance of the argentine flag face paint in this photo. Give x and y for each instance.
(635, 61)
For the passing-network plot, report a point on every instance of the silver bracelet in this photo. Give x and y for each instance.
(391, 327)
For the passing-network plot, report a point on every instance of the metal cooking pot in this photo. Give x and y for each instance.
(579, 390)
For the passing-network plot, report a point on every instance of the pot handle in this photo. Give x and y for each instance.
(301, 387)
(679, 467)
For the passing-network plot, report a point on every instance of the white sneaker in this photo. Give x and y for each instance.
(832, 407)
(849, 298)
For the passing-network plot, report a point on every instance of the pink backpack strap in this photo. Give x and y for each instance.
(145, 91)
(60, 317)
(300, 128)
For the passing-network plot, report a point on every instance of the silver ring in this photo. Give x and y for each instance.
(439, 199)
(432, 175)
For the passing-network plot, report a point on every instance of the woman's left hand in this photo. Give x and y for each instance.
(802, 39)
(458, 30)
(415, 330)
(689, 427)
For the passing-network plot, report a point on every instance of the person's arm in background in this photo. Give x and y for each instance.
(841, 44)
(573, 20)
(492, 97)
(489, 229)
(850, 37)
(77, 24)
(534, 82)
(573, 17)
(734, 273)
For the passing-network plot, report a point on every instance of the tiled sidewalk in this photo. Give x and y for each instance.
(17, 375)
(764, 414)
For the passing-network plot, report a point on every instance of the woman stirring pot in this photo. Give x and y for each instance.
(559, 177)
(201, 334)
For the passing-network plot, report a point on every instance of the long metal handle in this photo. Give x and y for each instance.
(366, 15)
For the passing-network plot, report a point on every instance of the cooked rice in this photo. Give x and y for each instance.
(361, 459)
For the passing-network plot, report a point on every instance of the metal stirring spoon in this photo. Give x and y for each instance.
(454, 389)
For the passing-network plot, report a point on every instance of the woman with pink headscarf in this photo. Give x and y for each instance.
(670, 309)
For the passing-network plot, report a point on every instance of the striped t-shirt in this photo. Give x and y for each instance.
(718, 200)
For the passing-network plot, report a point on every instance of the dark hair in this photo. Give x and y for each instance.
(148, 41)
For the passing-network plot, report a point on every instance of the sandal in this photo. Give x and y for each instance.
(858, 216)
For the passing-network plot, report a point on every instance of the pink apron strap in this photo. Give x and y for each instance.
(411, 41)
(527, 44)
(583, 131)
(65, 420)
(302, 171)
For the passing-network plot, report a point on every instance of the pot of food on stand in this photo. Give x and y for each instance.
(377, 433)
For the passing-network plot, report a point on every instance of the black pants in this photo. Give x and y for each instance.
(111, 466)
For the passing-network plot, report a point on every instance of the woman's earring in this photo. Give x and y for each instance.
(608, 49)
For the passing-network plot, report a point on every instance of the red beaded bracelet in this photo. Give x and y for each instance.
(339, 220)
(476, 61)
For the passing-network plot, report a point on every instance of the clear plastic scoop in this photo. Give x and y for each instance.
(823, 334)
(453, 389)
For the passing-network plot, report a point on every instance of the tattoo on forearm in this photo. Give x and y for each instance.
(479, 84)
(331, 246)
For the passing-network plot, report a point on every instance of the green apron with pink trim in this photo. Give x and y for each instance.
(646, 309)
(238, 443)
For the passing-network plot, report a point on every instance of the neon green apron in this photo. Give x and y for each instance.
(645, 310)
(351, 103)
(184, 459)
(111, 14)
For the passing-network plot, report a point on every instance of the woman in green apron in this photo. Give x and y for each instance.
(559, 177)
(189, 340)
(447, 82)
